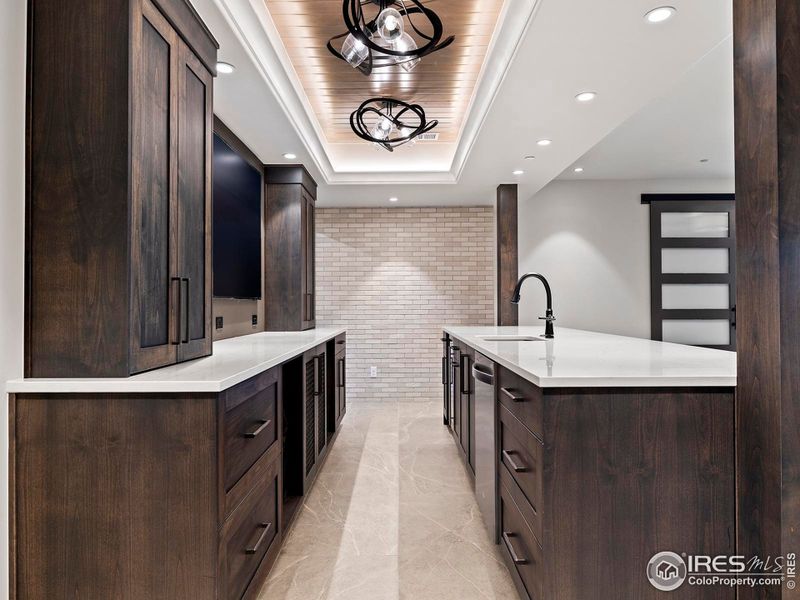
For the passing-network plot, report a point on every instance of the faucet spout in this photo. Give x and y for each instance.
(548, 318)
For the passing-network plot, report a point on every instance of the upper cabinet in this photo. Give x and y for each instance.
(119, 196)
(289, 248)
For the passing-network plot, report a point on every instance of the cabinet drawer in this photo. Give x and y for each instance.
(248, 535)
(521, 456)
(250, 424)
(520, 546)
(522, 398)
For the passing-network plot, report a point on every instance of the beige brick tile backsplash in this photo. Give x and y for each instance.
(393, 277)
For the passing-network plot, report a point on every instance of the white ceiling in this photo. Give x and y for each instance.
(568, 46)
(668, 138)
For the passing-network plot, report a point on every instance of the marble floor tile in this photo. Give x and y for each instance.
(391, 516)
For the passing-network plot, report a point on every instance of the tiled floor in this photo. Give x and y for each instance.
(391, 516)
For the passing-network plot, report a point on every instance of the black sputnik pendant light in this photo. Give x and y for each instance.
(384, 40)
(389, 123)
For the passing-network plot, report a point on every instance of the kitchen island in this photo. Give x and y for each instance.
(175, 484)
(592, 452)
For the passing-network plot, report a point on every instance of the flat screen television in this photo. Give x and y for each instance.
(237, 224)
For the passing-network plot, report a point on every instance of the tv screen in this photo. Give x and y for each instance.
(237, 224)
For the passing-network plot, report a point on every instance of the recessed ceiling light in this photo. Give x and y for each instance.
(660, 14)
(225, 68)
(578, 169)
(586, 96)
(544, 142)
(530, 157)
(394, 199)
(518, 172)
(289, 156)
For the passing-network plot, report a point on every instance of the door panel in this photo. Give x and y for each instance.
(194, 206)
(693, 271)
(153, 179)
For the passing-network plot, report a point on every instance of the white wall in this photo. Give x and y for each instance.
(12, 208)
(591, 240)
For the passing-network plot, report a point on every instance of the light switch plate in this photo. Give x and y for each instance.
(373, 371)
(219, 322)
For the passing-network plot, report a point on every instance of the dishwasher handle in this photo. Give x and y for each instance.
(483, 374)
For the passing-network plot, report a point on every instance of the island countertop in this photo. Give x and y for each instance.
(233, 361)
(576, 358)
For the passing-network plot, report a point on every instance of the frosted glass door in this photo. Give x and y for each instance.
(692, 263)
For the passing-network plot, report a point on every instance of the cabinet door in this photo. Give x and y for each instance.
(341, 386)
(309, 228)
(322, 401)
(310, 393)
(154, 335)
(194, 206)
(466, 390)
(455, 390)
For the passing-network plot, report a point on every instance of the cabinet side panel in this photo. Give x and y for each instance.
(628, 473)
(77, 163)
(115, 496)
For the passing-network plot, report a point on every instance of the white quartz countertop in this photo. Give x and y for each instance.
(233, 361)
(576, 358)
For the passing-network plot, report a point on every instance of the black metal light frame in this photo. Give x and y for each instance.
(396, 111)
(363, 30)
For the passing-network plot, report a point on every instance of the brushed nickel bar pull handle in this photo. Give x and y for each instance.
(444, 370)
(507, 535)
(513, 395)
(515, 466)
(255, 432)
(254, 548)
(341, 372)
(178, 316)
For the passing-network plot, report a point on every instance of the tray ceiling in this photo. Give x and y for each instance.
(443, 82)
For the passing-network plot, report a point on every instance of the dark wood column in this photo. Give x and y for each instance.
(507, 253)
(767, 97)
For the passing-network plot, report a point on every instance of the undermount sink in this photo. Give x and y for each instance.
(510, 338)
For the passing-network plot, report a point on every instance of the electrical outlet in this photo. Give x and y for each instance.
(219, 322)
(373, 371)
(255, 320)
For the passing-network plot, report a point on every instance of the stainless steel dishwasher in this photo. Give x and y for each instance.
(486, 442)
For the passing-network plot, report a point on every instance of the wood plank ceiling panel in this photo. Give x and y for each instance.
(443, 82)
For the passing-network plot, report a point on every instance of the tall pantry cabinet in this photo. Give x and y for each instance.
(118, 273)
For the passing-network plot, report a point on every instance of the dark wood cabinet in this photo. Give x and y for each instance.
(340, 382)
(591, 482)
(460, 396)
(118, 206)
(315, 424)
(160, 496)
(164, 496)
(289, 280)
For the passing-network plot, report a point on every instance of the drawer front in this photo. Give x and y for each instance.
(248, 535)
(250, 428)
(521, 454)
(520, 546)
(522, 398)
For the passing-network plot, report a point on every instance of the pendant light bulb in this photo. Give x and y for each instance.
(390, 24)
(406, 43)
(354, 51)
